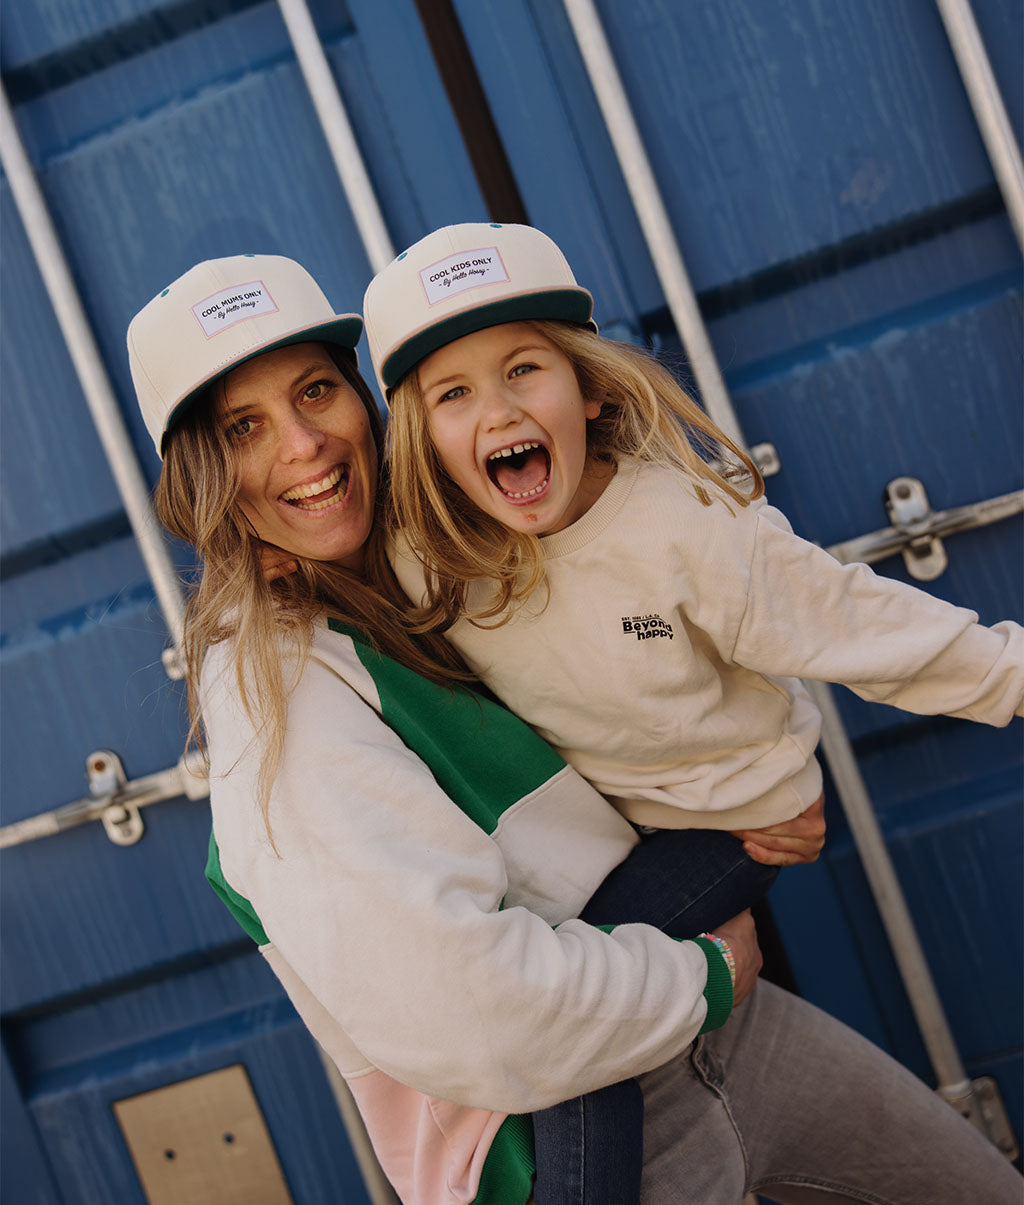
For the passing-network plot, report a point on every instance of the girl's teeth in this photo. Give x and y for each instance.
(516, 450)
(528, 493)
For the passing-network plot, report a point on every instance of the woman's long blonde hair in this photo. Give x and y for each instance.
(196, 501)
(644, 414)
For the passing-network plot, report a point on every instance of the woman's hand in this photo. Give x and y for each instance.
(741, 935)
(276, 562)
(798, 840)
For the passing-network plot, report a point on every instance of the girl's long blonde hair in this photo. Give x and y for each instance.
(645, 414)
(267, 622)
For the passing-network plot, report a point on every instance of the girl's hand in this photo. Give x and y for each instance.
(798, 840)
(742, 938)
(276, 562)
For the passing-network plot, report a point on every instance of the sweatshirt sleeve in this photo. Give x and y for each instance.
(809, 616)
(386, 902)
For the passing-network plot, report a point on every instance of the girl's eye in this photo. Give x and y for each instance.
(453, 394)
(521, 370)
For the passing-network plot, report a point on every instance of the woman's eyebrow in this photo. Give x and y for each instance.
(315, 367)
(302, 376)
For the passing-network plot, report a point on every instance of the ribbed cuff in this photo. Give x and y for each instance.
(718, 989)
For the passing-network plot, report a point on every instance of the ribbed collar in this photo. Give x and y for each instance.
(589, 526)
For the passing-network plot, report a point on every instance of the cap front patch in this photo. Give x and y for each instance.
(221, 310)
(460, 271)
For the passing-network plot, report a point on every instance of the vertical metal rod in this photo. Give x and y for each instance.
(607, 85)
(987, 103)
(892, 905)
(92, 374)
(650, 210)
(330, 110)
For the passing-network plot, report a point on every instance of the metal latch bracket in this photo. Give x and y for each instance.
(910, 512)
(980, 1101)
(122, 821)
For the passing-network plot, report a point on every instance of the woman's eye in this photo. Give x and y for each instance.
(317, 391)
(241, 429)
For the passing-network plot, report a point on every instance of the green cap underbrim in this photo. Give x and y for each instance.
(342, 333)
(566, 305)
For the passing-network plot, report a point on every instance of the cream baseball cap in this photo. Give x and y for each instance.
(219, 314)
(461, 279)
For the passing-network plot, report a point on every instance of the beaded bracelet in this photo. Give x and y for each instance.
(726, 951)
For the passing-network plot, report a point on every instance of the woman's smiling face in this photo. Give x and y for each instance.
(304, 453)
(505, 412)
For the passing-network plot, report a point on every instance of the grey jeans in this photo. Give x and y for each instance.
(787, 1101)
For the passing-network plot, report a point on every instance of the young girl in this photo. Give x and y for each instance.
(637, 602)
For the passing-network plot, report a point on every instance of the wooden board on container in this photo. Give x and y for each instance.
(203, 1140)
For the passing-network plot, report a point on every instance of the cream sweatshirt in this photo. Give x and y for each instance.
(662, 662)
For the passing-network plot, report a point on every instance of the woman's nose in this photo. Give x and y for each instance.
(301, 439)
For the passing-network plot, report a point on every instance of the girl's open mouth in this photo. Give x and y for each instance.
(318, 495)
(521, 471)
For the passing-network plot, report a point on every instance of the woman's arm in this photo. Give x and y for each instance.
(790, 843)
(387, 903)
(741, 935)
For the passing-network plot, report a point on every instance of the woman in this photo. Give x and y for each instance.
(410, 858)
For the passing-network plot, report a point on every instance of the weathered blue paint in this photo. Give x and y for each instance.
(824, 176)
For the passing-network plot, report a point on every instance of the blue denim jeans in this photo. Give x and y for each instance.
(683, 881)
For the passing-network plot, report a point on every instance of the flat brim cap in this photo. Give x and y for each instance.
(221, 313)
(462, 279)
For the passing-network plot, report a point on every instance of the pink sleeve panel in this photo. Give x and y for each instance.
(442, 1163)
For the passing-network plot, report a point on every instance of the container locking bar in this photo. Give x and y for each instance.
(917, 531)
(113, 800)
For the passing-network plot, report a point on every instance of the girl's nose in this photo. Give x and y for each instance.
(301, 439)
(500, 409)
